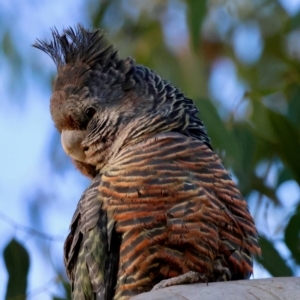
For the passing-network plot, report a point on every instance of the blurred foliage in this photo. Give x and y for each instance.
(265, 135)
(17, 264)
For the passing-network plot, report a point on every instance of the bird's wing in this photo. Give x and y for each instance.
(178, 210)
(92, 249)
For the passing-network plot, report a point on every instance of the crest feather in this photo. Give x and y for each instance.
(78, 45)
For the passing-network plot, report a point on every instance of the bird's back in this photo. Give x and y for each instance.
(177, 210)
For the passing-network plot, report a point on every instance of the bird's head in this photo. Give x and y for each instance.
(100, 101)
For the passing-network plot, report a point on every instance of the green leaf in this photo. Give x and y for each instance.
(67, 288)
(221, 137)
(292, 235)
(294, 104)
(261, 121)
(295, 22)
(283, 135)
(17, 264)
(243, 160)
(258, 185)
(196, 14)
(272, 260)
(284, 175)
(288, 142)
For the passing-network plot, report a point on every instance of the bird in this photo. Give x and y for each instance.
(161, 209)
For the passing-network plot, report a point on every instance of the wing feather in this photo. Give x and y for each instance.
(91, 258)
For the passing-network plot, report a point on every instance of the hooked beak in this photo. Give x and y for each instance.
(71, 143)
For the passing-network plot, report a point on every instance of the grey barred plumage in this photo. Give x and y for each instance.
(160, 206)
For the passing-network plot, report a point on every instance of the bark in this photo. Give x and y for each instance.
(266, 289)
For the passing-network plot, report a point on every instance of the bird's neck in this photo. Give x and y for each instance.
(113, 134)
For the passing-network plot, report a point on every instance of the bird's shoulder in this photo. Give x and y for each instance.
(166, 170)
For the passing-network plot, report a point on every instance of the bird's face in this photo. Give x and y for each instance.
(87, 111)
(72, 108)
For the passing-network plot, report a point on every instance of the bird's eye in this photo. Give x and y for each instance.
(90, 111)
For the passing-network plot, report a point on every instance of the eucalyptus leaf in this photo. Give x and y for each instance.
(292, 235)
(196, 14)
(17, 262)
(272, 260)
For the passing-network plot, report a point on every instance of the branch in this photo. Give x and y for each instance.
(268, 289)
(30, 230)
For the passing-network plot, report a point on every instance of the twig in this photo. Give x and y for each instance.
(30, 230)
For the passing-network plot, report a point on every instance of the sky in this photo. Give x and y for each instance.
(26, 127)
(26, 130)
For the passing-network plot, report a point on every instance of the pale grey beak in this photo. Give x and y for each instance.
(71, 143)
